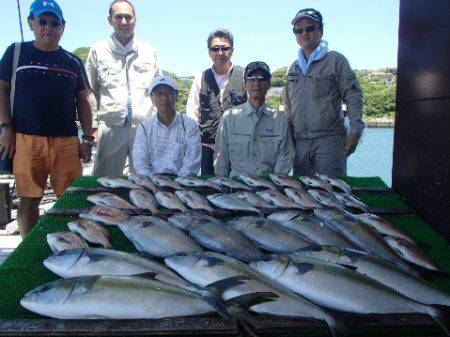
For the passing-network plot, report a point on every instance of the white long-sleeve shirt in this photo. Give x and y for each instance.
(167, 150)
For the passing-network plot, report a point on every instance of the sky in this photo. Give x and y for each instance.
(365, 31)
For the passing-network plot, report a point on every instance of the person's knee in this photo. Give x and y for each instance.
(29, 202)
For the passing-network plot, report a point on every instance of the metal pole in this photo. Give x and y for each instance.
(20, 19)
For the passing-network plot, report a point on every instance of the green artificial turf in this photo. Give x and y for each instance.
(23, 270)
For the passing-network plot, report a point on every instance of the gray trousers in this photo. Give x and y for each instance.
(115, 144)
(321, 155)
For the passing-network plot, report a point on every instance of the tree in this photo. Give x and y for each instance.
(82, 53)
(278, 77)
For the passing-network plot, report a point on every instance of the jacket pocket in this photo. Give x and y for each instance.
(110, 74)
(178, 150)
(269, 147)
(239, 146)
(324, 86)
(143, 74)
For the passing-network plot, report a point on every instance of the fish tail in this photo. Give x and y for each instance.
(441, 314)
(107, 245)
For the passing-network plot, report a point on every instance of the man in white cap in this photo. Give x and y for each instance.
(168, 142)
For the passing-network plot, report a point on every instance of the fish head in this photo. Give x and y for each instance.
(63, 260)
(272, 267)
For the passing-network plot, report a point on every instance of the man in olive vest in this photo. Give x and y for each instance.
(214, 90)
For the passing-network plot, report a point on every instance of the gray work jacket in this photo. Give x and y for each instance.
(246, 144)
(313, 103)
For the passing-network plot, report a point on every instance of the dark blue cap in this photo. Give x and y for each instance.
(39, 7)
(257, 65)
(308, 13)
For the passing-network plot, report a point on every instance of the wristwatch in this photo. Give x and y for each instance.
(6, 124)
(88, 139)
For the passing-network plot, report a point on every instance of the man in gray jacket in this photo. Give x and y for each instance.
(316, 85)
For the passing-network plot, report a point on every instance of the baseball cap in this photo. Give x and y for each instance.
(39, 7)
(309, 13)
(167, 80)
(257, 65)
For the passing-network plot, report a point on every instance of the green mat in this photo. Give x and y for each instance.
(23, 269)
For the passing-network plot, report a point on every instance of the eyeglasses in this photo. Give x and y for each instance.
(54, 23)
(307, 29)
(221, 48)
(256, 78)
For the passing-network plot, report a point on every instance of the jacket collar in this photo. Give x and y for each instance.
(118, 48)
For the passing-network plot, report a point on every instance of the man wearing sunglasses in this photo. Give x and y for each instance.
(120, 70)
(253, 138)
(40, 132)
(316, 85)
(213, 91)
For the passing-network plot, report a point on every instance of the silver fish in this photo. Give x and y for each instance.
(195, 200)
(114, 182)
(164, 182)
(268, 234)
(110, 200)
(144, 200)
(211, 267)
(388, 274)
(383, 226)
(325, 198)
(301, 197)
(90, 231)
(337, 183)
(283, 180)
(105, 215)
(316, 183)
(283, 216)
(254, 181)
(411, 252)
(142, 181)
(170, 200)
(156, 237)
(351, 201)
(230, 202)
(279, 200)
(338, 288)
(213, 234)
(228, 182)
(253, 199)
(197, 182)
(59, 241)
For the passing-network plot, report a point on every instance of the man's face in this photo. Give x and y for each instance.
(308, 40)
(220, 51)
(164, 98)
(123, 20)
(257, 84)
(47, 28)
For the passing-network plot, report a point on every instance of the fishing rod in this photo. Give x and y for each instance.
(20, 19)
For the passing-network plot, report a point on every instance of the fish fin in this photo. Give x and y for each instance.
(248, 300)
(312, 248)
(441, 314)
(150, 275)
(303, 268)
(213, 261)
(108, 245)
(227, 283)
(337, 326)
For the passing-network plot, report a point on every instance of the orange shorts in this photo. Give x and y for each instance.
(36, 157)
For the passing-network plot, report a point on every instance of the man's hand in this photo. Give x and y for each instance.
(85, 152)
(94, 133)
(352, 143)
(8, 142)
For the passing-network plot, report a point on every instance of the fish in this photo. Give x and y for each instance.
(105, 215)
(337, 183)
(228, 182)
(254, 181)
(170, 201)
(411, 253)
(115, 297)
(277, 199)
(360, 234)
(325, 198)
(406, 283)
(383, 226)
(164, 182)
(197, 182)
(316, 183)
(157, 237)
(312, 229)
(213, 234)
(282, 216)
(90, 231)
(350, 201)
(142, 181)
(283, 180)
(338, 288)
(59, 241)
(253, 199)
(114, 182)
(195, 201)
(230, 202)
(303, 198)
(144, 200)
(212, 267)
(110, 200)
(268, 234)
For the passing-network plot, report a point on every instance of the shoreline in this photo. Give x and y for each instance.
(380, 123)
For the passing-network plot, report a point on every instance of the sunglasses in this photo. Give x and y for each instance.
(256, 78)
(221, 48)
(307, 29)
(54, 23)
